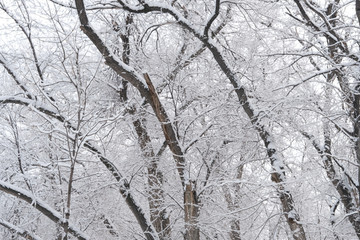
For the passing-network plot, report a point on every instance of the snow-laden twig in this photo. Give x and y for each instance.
(25, 234)
(43, 207)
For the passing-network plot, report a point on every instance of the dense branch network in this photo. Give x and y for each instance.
(44, 208)
(278, 175)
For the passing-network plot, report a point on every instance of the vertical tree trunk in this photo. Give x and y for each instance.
(191, 209)
(357, 6)
(158, 215)
(233, 204)
(235, 224)
(355, 218)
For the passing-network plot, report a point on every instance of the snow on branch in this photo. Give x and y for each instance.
(43, 207)
(192, 142)
(12, 73)
(50, 111)
(122, 69)
(93, 7)
(124, 185)
(25, 234)
(163, 8)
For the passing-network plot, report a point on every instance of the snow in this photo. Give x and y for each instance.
(37, 202)
(17, 229)
(186, 178)
(292, 214)
(179, 17)
(29, 102)
(126, 68)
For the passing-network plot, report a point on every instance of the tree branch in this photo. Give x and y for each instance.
(147, 91)
(23, 233)
(357, 9)
(32, 103)
(15, 77)
(123, 70)
(124, 185)
(43, 207)
(212, 19)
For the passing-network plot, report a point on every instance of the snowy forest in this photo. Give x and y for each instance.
(180, 119)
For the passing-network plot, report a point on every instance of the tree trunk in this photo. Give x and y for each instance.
(191, 209)
(357, 6)
(158, 215)
(233, 204)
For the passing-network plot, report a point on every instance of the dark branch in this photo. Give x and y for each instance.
(44, 208)
(357, 7)
(23, 233)
(36, 104)
(212, 19)
(16, 79)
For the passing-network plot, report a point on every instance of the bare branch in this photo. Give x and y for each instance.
(33, 103)
(278, 175)
(123, 70)
(341, 185)
(212, 19)
(15, 77)
(146, 8)
(43, 207)
(124, 184)
(23, 233)
(357, 6)
(94, 7)
(27, 33)
(148, 92)
(197, 138)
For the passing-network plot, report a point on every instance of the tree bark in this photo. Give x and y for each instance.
(191, 209)
(158, 215)
(357, 7)
(233, 204)
(278, 174)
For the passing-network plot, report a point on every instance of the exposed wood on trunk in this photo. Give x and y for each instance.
(190, 197)
(191, 209)
(158, 215)
(149, 93)
(130, 76)
(278, 175)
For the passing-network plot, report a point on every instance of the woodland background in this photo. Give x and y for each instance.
(181, 119)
